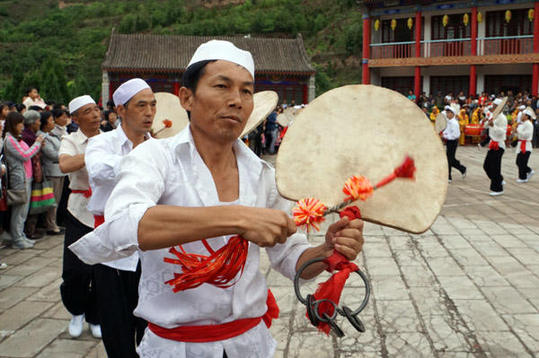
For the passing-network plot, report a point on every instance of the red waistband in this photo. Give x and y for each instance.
(98, 220)
(217, 332)
(86, 193)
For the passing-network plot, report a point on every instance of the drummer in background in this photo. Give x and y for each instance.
(524, 147)
(497, 129)
(451, 134)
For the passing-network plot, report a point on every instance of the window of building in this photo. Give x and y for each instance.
(455, 28)
(401, 34)
(497, 26)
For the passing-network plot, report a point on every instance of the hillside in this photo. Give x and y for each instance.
(59, 45)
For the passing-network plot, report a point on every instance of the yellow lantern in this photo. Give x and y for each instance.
(479, 17)
(410, 23)
(531, 14)
(393, 24)
(508, 16)
(445, 20)
(377, 25)
(465, 19)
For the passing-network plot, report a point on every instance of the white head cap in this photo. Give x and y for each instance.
(224, 50)
(529, 112)
(78, 102)
(451, 108)
(522, 107)
(127, 90)
(497, 101)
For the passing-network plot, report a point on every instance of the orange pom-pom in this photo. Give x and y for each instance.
(309, 213)
(167, 123)
(357, 188)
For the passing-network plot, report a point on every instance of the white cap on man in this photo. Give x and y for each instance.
(128, 89)
(530, 112)
(224, 50)
(497, 101)
(78, 102)
(522, 107)
(451, 108)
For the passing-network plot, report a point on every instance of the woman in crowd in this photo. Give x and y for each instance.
(108, 123)
(49, 159)
(18, 155)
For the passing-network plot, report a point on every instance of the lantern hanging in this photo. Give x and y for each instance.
(531, 14)
(508, 16)
(479, 17)
(465, 19)
(377, 25)
(393, 24)
(410, 23)
(445, 20)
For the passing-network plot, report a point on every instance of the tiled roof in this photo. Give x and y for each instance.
(171, 53)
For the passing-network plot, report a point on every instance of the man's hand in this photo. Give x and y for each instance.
(265, 227)
(346, 237)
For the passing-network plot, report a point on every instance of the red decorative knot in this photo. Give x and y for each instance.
(309, 213)
(357, 188)
(167, 123)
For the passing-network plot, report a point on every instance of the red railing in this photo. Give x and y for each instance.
(506, 45)
(439, 48)
(393, 50)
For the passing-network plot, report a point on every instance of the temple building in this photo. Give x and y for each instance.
(451, 46)
(281, 65)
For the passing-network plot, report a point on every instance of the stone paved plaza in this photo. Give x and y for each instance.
(468, 287)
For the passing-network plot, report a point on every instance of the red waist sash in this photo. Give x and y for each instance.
(493, 145)
(523, 146)
(98, 220)
(217, 332)
(85, 193)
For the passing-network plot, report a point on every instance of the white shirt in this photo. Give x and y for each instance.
(498, 131)
(452, 130)
(171, 172)
(525, 132)
(103, 156)
(74, 144)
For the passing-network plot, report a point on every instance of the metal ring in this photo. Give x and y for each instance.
(334, 327)
(298, 276)
(353, 319)
(367, 292)
(324, 319)
(310, 311)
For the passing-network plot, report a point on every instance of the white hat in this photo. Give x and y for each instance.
(127, 90)
(452, 109)
(522, 107)
(78, 102)
(224, 50)
(529, 112)
(497, 101)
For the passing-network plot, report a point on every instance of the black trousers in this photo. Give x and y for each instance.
(452, 162)
(78, 288)
(522, 163)
(117, 297)
(493, 167)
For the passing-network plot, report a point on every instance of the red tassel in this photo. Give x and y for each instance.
(218, 269)
(405, 170)
(493, 145)
(332, 288)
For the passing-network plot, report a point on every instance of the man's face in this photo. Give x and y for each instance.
(222, 103)
(62, 120)
(88, 118)
(33, 93)
(35, 126)
(140, 111)
(450, 114)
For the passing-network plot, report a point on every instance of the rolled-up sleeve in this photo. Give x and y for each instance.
(141, 183)
(102, 165)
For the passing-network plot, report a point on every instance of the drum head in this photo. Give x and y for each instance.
(499, 108)
(365, 130)
(168, 108)
(441, 122)
(286, 117)
(264, 103)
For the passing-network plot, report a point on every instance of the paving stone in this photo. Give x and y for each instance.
(526, 326)
(12, 295)
(97, 352)
(67, 348)
(507, 300)
(397, 316)
(480, 316)
(429, 301)
(30, 266)
(502, 344)
(20, 314)
(20, 256)
(418, 275)
(485, 276)
(489, 248)
(389, 288)
(8, 280)
(377, 249)
(57, 311)
(404, 345)
(445, 266)
(49, 293)
(40, 278)
(30, 340)
(382, 266)
(301, 345)
(445, 334)
(459, 287)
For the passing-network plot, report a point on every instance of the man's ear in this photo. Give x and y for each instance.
(120, 110)
(186, 98)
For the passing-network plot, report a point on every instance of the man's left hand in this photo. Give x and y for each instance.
(346, 237)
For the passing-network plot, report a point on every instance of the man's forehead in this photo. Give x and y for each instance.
(229, 70)
(144, 95)
(87, 107)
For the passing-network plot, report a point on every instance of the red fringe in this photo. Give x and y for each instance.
(405, 170)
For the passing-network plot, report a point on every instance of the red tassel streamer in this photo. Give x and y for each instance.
(405, 170)
(218, 269)
(332, 288)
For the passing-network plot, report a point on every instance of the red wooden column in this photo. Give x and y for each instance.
(473, 70)
(176, 88)
(366, 76)
(535, 77)
(417, 72)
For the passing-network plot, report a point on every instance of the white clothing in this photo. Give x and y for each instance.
(103, 156)
(171, 172)
(452, 130)
(498, 131)
(519, 116)
(74, 144)
(29, 102)
(525, 132)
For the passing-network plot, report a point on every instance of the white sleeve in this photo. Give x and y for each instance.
(140, 185)
(497, 132)
(102, 165)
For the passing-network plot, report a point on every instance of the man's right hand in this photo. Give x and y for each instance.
(265, 227)
(40, 139)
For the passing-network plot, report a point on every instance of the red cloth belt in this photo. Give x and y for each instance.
(523, 146)
(217, 332)
(85, 193)
(493, 145)
(98, 220)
